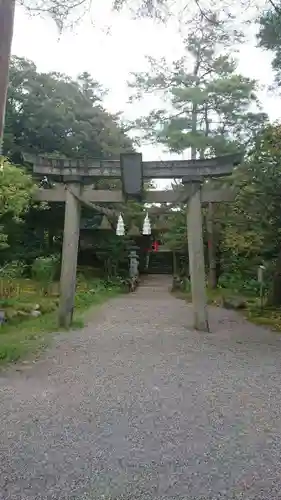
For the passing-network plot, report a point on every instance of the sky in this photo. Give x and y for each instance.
(111, 57)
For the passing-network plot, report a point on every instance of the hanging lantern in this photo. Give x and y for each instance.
(120, 229)
(146, 226)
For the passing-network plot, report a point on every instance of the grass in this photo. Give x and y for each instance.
(27, 338)
(265, 317)
(253, 312)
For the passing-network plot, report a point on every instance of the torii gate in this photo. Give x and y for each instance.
(74, 177)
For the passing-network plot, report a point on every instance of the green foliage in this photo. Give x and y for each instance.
(44, 269)
(12, 270)
(112, 252)
(16, 189)
(269, 36)
(251, 226)
(55, 115)
(95, 291)
(27, 338)
(176, 237)
(206, 104)
(50, 113)
(256, 211)
(238, 283)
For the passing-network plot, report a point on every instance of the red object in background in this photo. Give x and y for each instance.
(155, 246)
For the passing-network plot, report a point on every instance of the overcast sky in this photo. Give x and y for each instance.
(110, 58)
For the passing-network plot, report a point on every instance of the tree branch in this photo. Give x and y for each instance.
(275, 6)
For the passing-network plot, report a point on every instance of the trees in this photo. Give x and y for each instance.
(208, 107)
(252, 234)
(51, 113)
(269, 35)
(60, 10)
(15, 194)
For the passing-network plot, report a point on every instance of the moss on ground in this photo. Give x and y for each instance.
(24, 336)
(253, 312)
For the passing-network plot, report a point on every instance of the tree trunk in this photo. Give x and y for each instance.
(194, 129)
(274, 297)
(212, 254)
(7, 13)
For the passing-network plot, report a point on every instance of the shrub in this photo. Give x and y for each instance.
(12, 270)
(44, 270)
(239, 283)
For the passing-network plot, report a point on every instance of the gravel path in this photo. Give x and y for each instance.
(139, 406)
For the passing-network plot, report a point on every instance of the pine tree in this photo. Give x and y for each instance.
(209, 108)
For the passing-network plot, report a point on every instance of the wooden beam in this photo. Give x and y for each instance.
(209, 195)
(102, 196)
(214, 167)
(56, 194)
(7, 13)
(220, 195)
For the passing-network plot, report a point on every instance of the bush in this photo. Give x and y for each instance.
(12, 270)
(44, 270)
(239, 283)
(10, 274)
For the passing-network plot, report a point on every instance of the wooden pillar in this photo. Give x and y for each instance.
(69, 255)
(196, 261)
(7, 12)
(212, 260)
(175, 270)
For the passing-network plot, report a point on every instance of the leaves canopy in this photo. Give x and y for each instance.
(253, 223)
(207, 105)
(16, 189)
(269, 36)
(207, 108)
(55, 115)
(51, 113)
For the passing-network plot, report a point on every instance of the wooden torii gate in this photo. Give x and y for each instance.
(74, 178)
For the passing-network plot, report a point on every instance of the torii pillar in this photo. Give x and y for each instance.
(69, 253)
(196, 260)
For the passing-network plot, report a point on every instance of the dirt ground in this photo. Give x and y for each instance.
(137, 405)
